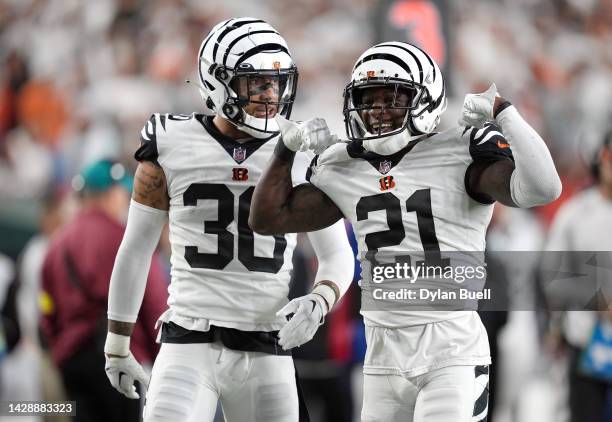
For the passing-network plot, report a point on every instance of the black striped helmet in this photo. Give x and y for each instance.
(399, 68)
(234, 53)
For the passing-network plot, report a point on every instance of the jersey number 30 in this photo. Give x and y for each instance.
(225, 239)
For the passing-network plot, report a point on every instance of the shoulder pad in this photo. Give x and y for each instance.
(179, 117)
(334, 154)
(148, 138)
(149, 130)
(487, 143)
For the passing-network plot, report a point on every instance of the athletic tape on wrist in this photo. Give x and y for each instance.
(117, 344)
(327, 292)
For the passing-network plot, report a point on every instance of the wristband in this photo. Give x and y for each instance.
(504, 105)
(117, 344)
(327, 292)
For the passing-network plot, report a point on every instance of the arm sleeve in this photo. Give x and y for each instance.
(154, 302)
(129, 277)
(534, 180)
(335, 256)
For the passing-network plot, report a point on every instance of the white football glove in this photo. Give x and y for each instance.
(124, 369)
(478, 108)
(311, 134)
(122, 372)
(308, 312)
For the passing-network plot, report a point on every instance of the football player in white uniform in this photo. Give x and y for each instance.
(219, 335)
(407, 188)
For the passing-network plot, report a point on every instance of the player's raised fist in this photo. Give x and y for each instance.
(311, 134)
(478, 108)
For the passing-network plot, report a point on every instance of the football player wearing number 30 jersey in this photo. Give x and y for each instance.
(225, 336)
(406, 188)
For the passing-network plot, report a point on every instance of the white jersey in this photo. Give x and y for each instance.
(414, 200)
(570, 231)
(222, 273)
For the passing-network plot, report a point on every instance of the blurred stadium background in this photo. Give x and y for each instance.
(79, 78)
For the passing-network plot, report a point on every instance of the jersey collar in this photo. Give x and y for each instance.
(239, 151)
(382, 163)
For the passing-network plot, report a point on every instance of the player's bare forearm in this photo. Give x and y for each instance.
(494, 181)
(150, 186)
(120, 327)
(277, 207)
(272, 190)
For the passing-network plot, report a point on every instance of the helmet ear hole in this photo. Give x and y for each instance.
(221, 74)
(425, 98)
(210, 104)
(230, 111)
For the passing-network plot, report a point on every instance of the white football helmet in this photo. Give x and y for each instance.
(401, 68)
(234, 53)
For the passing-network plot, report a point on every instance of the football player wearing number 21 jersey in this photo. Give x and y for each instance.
(228, 292)
(406, 188)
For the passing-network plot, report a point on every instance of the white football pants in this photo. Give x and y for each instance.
(189, 379)
(451, 394)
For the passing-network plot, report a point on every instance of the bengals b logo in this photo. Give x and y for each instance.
(386, 183)
(240, 174)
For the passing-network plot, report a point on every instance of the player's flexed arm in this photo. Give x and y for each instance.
(147, 216)
(277, 207)
(532, 179)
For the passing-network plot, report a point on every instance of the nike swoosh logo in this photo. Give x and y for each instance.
(502, 145)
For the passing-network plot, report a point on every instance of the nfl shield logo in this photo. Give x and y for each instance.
(239, 154)
(384, 167)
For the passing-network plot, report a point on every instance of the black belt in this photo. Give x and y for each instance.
(245, 341)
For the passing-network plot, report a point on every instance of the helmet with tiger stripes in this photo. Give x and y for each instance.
(401, 69)
(234, 54)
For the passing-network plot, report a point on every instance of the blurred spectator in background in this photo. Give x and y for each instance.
(29, 371)
(512, 234)
(584, 223)
(76, 275)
